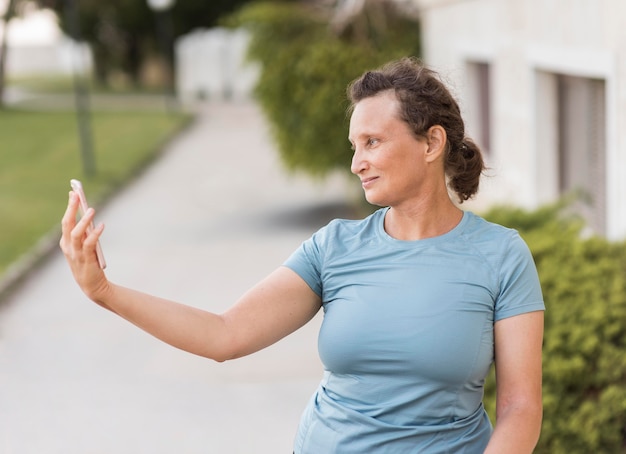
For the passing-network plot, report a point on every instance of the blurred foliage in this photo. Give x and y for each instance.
(307, 59)
(123, 33)
(584, 357)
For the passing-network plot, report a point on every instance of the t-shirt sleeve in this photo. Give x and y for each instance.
(306, 262)
(520, 289)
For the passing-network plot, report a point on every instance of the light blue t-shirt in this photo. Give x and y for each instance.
(407, 336)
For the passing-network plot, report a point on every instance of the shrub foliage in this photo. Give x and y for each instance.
(306, 64)
(584, 355)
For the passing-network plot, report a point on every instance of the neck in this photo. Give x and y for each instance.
(422, 220)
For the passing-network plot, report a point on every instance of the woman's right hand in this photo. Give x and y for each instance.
(79, 249)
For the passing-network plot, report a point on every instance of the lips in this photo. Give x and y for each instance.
(365, 182)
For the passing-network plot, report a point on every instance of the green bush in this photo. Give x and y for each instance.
(306, 66)
(584, 355)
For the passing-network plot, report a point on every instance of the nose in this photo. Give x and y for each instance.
(358, 163)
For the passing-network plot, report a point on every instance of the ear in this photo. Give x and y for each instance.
(437, 140)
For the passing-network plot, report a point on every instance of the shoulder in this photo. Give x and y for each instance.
(341, 235)
(339, 238)
(496, 243)
(478, 227)
(490, 236)
(519, 289)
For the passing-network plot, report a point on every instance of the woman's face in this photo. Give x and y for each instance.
(388, 158)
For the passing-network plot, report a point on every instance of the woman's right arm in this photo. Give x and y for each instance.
(275, 307)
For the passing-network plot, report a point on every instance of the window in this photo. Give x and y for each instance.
(581, 127)
(479, 96)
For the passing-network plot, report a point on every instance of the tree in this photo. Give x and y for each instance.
(308, 54)
(8, 15)
(122, 33)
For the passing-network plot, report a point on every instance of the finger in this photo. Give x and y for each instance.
(69, 217)
(91, 245)
(69, 220)
(92, 238)
(79, 232)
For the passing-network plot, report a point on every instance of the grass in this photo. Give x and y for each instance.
(40, 153)
(64, 84)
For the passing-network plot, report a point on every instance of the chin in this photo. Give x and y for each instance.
(376, 201)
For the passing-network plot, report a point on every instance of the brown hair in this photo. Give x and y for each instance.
(425, 102)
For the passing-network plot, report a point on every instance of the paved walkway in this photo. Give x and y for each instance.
(214, 215)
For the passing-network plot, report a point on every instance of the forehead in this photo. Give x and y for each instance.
(377, 112)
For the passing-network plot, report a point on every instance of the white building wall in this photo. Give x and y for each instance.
(211, 63)
(519, 39)
(36, 46)
(63, 57)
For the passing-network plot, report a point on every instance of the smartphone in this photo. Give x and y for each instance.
(77, 187)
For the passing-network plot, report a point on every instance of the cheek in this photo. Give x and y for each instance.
(406, 168)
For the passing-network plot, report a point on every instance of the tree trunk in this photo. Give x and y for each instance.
(132, 60)
(101, 65)
(4, 45)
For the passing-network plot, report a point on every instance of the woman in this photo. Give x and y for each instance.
(419, 298)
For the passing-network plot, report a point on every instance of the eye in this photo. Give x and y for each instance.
(372, 141)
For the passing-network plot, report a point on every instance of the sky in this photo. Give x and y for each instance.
(37, 28)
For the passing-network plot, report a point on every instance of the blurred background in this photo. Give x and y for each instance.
(100, 91)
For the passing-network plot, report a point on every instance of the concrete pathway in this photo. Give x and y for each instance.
(213, 216)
